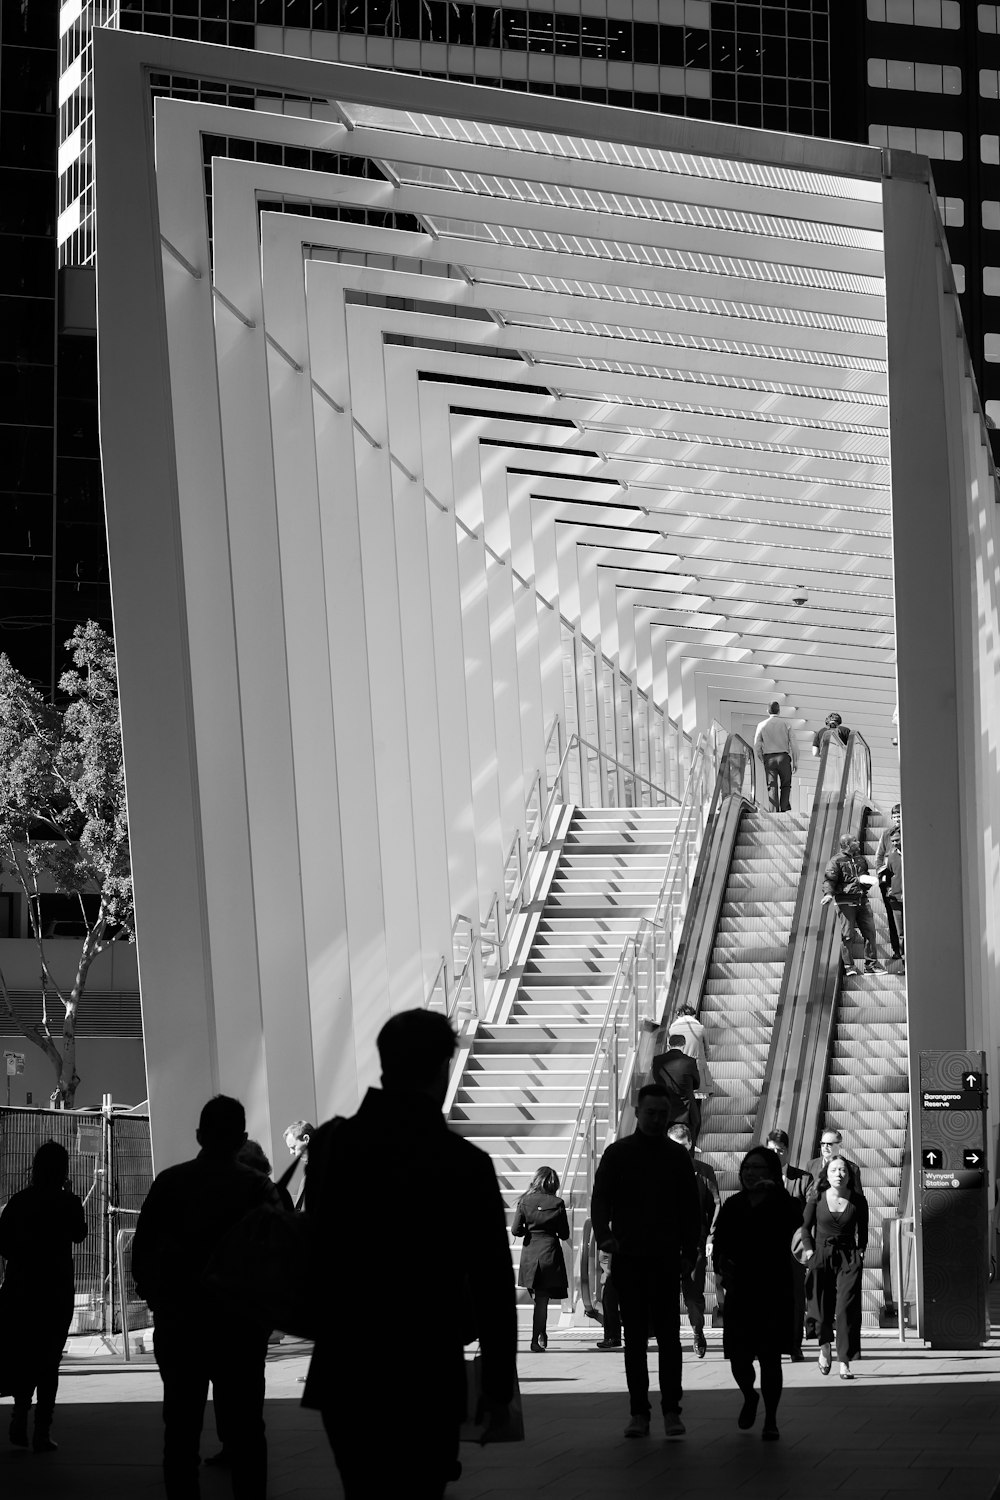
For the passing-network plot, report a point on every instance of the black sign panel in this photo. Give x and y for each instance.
(972, 1080)
(959, 1178)
(933, 1157)
(949, 1099)
(974, 1158)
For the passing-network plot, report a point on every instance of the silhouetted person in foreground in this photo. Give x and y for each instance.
(38, 1229)
(417, 1209)
(188, 1210)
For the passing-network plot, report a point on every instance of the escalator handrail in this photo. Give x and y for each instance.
(801, 998)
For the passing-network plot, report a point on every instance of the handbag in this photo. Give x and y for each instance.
(263, 1268)
(474, 1429)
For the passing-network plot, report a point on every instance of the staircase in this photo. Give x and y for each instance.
(522, 1087)
(744, 980)
(867, 1095)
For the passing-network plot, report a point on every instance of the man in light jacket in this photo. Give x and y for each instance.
(774, 744)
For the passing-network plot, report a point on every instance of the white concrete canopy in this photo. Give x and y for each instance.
(493, 409)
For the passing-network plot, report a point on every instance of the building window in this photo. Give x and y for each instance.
(988, 18)
(952, 212)
(991, 213)
(989, 149)
(993, 412)
(989, 83)
(959, 274)
(944, 14)
(941, 145)
(991, 348)
(991, 281)
(922, 77)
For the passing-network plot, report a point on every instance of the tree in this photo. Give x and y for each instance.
(63, 826)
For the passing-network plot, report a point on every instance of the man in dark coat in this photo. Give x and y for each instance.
(646, 1216)
(846, 881)
(405, 1207)
(797, 1182)
(678, 1074)
(188, 1210)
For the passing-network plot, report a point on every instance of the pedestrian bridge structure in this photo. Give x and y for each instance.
(463, 447)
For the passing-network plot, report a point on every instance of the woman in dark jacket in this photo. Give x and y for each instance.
(38, 1229)
(751, 1245)
(540, 1217)
(835, 1229)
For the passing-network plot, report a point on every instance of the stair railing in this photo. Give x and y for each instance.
(640, 978)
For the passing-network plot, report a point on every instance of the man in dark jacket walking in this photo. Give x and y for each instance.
(405, 1207)
(188, 1210)
(646, 1216)
(679, 1076)
(846, 881)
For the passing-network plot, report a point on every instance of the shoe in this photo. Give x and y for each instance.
(700, 1346)
(845, 1371)
(748, 1412)
(18, 1429)
(810, 1332)
(825, 1359)
(40, 1440)
(638, 1425)
(673, 1427)
(769, 1432)
(536, 1347)
(851, 973)
(609, 1344)
(543, 1339)
(797, 1357)
(874, 967)
(592, 1312)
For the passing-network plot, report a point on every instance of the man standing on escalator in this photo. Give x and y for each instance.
(846, 881)
(774, 744)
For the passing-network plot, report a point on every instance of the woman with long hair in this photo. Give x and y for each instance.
(38, 1229)
(751, 1245)
(540, 1218)
(835, 1230)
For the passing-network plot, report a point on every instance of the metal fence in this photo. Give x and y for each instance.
(110, 1168)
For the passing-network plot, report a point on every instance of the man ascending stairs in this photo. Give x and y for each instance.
(847, 881)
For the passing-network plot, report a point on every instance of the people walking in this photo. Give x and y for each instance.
(687, 1025)
(374, 1183)
(835, 1230)
(646, 1216)
(752, 1240)
(678, 1074)
(540, 1219)
(830, 1144)
(797, 1182)
(889, 871)
(709, 1202)
(38, 1228)
(775, 746)
(187, 1212)
(846, 880)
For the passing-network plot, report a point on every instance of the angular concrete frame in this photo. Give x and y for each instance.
(630, 381)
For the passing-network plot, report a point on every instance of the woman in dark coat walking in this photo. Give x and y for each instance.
(540, 1217)
(835, 1228)
(751, 1245)
(38, 1229)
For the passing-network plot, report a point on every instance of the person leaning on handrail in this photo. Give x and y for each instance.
(38, 1229)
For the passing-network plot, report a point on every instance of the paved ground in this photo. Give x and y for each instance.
(914, 1423)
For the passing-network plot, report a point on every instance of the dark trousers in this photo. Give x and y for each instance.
(894, 920)
(693, 1292)
(394, 1452)
(836, 1303)
(778, 774)
(798, 1304)
(611, 1309)
(38, 1375)
(857, 918)
(233, 1363)
(539, 1314)
(647, 1295)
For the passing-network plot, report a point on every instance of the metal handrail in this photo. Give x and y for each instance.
(629, 771)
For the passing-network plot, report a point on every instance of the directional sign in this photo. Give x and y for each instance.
(972, 1080)
(949, 1099)
(971, 1158)
(955, 1179)
(932, 1157)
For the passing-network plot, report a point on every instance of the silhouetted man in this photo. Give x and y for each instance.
(188, 1210)
(645, 1214)
(408, 1208)
(678, 1074)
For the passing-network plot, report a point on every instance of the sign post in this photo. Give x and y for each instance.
(15, 1065)
(953, 1199)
